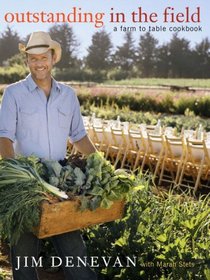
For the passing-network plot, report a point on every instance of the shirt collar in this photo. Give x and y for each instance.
(55, 84)
(32, 85)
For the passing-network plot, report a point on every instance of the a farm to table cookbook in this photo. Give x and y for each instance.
(115, 53)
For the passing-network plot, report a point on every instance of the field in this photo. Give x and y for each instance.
(159, 226)
(147, 104)
(198, 83)
(166, 232)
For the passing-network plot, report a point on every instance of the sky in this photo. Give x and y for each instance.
(161, 17)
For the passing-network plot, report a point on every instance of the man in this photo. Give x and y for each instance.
(37, 117)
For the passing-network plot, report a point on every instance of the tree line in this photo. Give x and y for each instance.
(145, 58)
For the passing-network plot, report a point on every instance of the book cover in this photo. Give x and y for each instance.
(130, 248)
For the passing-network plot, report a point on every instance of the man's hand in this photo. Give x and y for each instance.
(6, 148)
(85, 146)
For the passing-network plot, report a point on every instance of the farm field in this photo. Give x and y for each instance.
(157, 93)
(180, 109)
(146, 105)
(195, 83)
(203, 83)
(159, 226)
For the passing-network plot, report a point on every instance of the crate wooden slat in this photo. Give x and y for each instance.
(64, 216)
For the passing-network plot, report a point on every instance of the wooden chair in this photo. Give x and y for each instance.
(154, 153)
(117, 146)
(134, 155)
(99, 138)
(196, 164)
(173, 159)
(150, 129)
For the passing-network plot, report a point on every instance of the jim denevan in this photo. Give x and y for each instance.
(70, 261)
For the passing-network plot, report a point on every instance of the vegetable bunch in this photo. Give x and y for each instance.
(26, 182)
(96, 182)
(21, 191)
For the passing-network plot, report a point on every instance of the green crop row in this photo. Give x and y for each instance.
(165, 237)
(160, 102)
(186, 121)
(186, 111)
(200, 106)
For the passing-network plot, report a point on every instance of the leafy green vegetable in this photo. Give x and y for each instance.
(21, 192)
(25, 182)
(96, 182)
(80, 177)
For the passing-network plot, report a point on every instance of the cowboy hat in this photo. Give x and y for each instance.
(40, 42)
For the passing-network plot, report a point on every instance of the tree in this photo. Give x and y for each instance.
(99, 52)
(65, 36)
(180, 57)
(162, 61)
(125, 55)
(201, 59)
(146, 59)
(8, 44)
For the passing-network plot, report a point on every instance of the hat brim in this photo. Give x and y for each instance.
(52, 46)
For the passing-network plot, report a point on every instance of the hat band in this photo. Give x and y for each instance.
(37, 46)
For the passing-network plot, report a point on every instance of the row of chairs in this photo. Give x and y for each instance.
(184, 162)
(170, 159)
(181, 161)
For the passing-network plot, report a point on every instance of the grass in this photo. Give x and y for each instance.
(203, 83)
(197, 83)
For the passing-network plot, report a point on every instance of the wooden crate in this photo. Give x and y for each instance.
(65, 216)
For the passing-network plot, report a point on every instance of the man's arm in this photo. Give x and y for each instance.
(85, 146)
(6, 148)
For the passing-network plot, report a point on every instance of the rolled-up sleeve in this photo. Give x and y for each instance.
(77, 129)
(8, 116)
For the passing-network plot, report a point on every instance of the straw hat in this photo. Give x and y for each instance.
(40, 42)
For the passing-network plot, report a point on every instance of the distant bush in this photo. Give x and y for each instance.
(71, 74)
(202, 107)
(185, 103)
(117, 74)
(77, 74)
(167, 105)
(12, 74)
